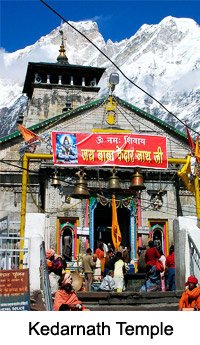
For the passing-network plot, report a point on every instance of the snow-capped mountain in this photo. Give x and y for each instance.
(162, 59)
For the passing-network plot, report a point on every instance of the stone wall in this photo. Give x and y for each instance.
(182, 227)
(48, 101)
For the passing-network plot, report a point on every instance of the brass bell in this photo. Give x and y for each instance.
(137, 182)
(81, 190)
(114, 183)
(55, 181)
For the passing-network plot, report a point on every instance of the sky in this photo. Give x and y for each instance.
(24, 22)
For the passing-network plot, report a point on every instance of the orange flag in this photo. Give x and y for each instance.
(197, 150)
(27, 134)
(115, 232)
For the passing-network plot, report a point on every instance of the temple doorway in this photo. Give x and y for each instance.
(159, 234)
(103, 223)
(67, 244)
(67, 240)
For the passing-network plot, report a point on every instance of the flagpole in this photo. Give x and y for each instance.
(197, 197)
(23, 208)
(25, 165)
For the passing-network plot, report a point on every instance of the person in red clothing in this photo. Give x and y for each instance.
(170, 264)
(152, 279)
(151, 256)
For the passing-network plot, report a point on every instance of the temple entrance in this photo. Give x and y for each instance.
(157, 239)
(67, 243)
(158, 231)
(67, 240)
(103, 223)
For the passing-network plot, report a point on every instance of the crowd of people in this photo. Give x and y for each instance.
(160, 270)
(105, 267)
(107, 270)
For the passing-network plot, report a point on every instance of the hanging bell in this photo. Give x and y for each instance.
(55, 181)
(137, 182)
(81, 190)
(114, 183)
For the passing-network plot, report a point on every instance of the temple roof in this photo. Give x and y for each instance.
(56, 69)
(94, 104)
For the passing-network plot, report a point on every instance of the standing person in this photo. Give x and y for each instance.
(97, 269)
(6, 262)
(141, 259)
(126, 255)
(109, 246)
(152, 279)
(105, 248)
(67, 248)
(157, 243)
(110, 261)
(119, 269)
(151, 256)
(162, 274)
(190, 299)
(170, 264)
(88, 264)
(101, 256)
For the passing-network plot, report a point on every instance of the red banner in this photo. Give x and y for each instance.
(81, 149)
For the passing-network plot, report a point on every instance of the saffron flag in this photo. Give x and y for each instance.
(27, 134)
(197, 150)
(190, 140)
(115, 232)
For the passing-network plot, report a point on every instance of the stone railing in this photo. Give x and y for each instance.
(194, 258)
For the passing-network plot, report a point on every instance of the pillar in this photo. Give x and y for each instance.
(93, 205)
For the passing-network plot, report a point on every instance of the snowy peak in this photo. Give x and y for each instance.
(182, 24)
(163, 59)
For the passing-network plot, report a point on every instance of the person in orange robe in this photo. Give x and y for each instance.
(190, 298)
(101, 256)
(65, 296)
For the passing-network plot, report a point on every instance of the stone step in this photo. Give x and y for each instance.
(129, 300)
(145, 307)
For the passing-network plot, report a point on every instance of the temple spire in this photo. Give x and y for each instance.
(62, 58)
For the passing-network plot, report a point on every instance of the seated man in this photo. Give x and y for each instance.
(56, 267)
(65, 296)
(190, 298)
(108, 283)
(152, 280)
